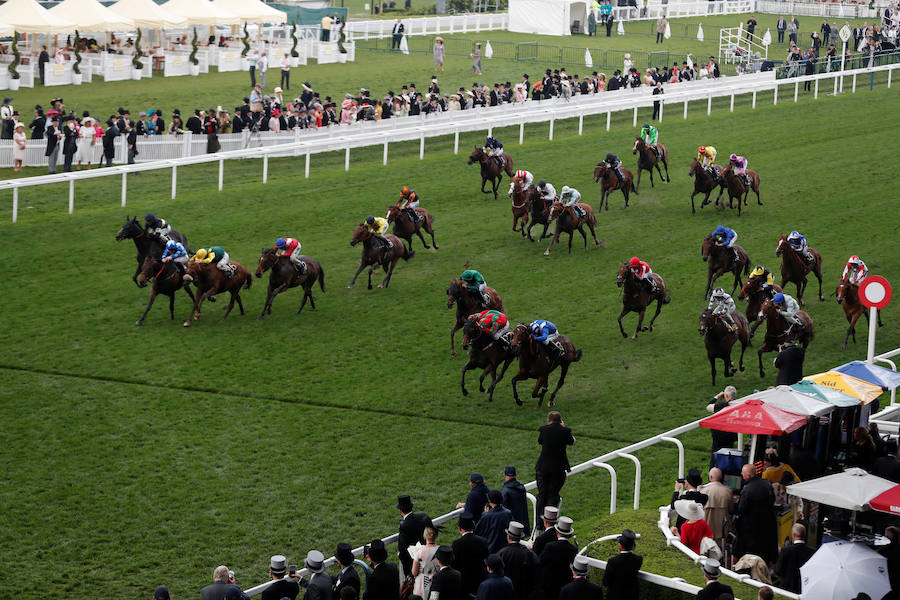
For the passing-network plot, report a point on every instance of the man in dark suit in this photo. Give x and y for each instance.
(447, 582)
(412, 528)
(216, 590)
(548, 519)
(194, 124)
(348, 577)
(495, 95)
(526, 83)
(791, 558)
(888, 467)
(282, 587)
(318, 586)
(621, 575)
(477, 498)
(514, 498)
(789, 363)
(688, 489)
(556, 559)
(713, 590)
(580, 588)
(520, 564)
(781, 26)
(469, 552)
(493, 523)
(610, 19)
(109, 141)
(757, 525)
(43, 59)
(384, 582)
(396, 38)
(52, 149)
(552, 464)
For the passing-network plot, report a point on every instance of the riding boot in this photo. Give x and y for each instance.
(734, 257)
(300, 267)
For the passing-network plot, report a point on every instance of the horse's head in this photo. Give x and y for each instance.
(149, 268)
(130, 230)
(639, 146)
(706, 247)
(766, 308)
(515, 188)
(705, 318)
(393, 211)
(360, 234)
(454, 292)
(728, 171)
(782, 245)
(843, 289)
(267, 259)
(555, 210)
(599, 171)
(471, 331)
(751, 286)
(477, 156)
(695, 168)
(623, 274)
(520, 334)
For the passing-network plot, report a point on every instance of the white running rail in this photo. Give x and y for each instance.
(448, 24)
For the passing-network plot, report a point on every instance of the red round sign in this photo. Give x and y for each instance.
(875, 291)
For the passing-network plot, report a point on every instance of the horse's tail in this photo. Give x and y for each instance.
(249, 281)
(578, 355)
(633, 189)
(322, 278)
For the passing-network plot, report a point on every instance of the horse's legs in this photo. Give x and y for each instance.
(195, 310)
(712, 367)
(553, 241)
(659, 304)
(737, 279)
(626, 192)
(452, 333)
(570, 242)
(852, 329)
(818, 274)
(563, 369)
(149, 304)
(651, 176)
(593, 233)
(638, 182)
(622, 314)
(694, 210)
(530, 227)
(544, 232)
(306, 294)
(270, 296)
(390, 271)
(583, 235)
(639, 323)
(496, 377)
(171, 296)
(484, 374)
(362, 265)
(187, 288)
(137, 272)
(515, 380)
(666, 165)
(421, 237)
(763, 348)
(234, 296)
(469, 365)
(756, 191)
(878, 314)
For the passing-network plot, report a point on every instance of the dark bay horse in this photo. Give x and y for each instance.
(404, 227)
(540, 215)
(211, 281)
(704, 183)
(490, 169)
(776, 331)
(284, 276)
(569, 222)
(485, 353)
(636, 298)
(145, 244)
(374, 254)
(847, 295)
(718, 259)
(611, 183)
(535, 362)
(738, 189)
(794, 269)
(166, 280)
(467, 304)
(719, 340)
(647, 161)
(522, 201)
(753, 291)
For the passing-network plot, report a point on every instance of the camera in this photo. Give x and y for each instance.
(366, 550)
(292, 570)
(681, 480)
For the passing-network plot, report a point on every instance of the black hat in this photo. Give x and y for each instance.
(494, 563)
(85, 113)
(176, 111)
(509, 471)
(377, 551)
(444, 554)
(787, 478)
(404, 503)
(161, 593)
(121, 111)
(694, 478)
(109, 122)
(525, 75)
(476, 478)
(548, 71)
(495, 497)
(627, 539)
(466, 521)
(344, 553)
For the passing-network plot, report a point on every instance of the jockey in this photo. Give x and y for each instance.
(612, 161)
(721, 304)
(545, 333)
(706, 155)
(408, 202)
(379, 227)
(643, 272)
(290, 247)
(855, 270)
(788, 308)
(493, 322)
(571, 197)
(175, 252)
(726, 237)
(214, 254)
(525, 177)
(769, 279)
(798, 243)
(547, 192)
(650, 134)
(476, 285)
(494, 148)
(157, 227)
(739, 163)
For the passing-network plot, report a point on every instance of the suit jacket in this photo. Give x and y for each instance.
(109, 140)
(621, 576)
(492, 527)
(522, 566)
(713, 590)
(782, 24)
(757, 528)
(787, 569)
(214, 591)
(346, 578)
(447, 584)
(556, 561)
(194, 125)
(789, 363)
(549, 535)
(384, 583)
(398, 30)
(554, 438)
(496, 587)
(282, 588)
(52, 140)
(318, 587)
(581, 589)
(469, 552)
(887, 467)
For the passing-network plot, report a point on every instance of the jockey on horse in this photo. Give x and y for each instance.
(214, 254)
(494, 148)
(739, 164)
(525, 177)
(612, 161)
(726, 237)
(571, 197)
(547, 193)
(379, 227)
(493, 322)
(768, 281)
(176, 253)
(722, 305)
(855, 270)
(158, 228)
(798, 243)
(788, 307)
(643, 272)
(290, 247)
(408, 202)
(706, 156)
(650, 134)
(476, 286)
(545, 333)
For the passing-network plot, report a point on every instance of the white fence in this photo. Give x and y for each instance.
(819, 9)
(465, 23)
(702, 8)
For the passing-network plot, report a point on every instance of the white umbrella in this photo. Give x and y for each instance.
(851, 489)
(787, 398)
(404, 46)
(668, 32)
(841, 570)
(767, 39)
(488, 50)
(588, 60)
(621, 29)
(700, 32)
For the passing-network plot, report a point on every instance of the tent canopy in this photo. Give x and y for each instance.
(90, 15)
(201, 12)
(754, 416)
(853, 489)
(887, 501)
(547, 17)
(886, 378)
(826, 394)
(147, 13)
(788, 399)
(848, 384)
(252, 10)
(27, 16)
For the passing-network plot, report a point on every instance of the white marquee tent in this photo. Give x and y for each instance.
(253, 11)
(90, 15)
(547, 17)
(27, 16)
(147, 13)
(201, 12)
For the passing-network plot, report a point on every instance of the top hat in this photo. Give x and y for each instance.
(627, 539)
(315, 561)
(404, 503)
(377, 551)
(466, 521)
(509, 471)
(551, 514)
(564, 527)
(580, 565)
(711, 568)
(277, 564)
(344, 553)
(694, 478)
(515, 530)
(476, 478)
(444, 555)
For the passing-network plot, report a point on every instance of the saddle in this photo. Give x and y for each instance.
(499, 160)
(301, 268)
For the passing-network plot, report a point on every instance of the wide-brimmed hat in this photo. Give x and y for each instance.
(690, 510)
(444, 554)
(694, 478)
(377, 551)
(278, 564)
(551, 514)
(564, 527)
(580, 565)
(344, 553)
(711, 568)
(404, 503)
(314, 561)
(627, 539)
(515, 530)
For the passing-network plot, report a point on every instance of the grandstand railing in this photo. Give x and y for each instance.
(838, 10)
(453, 123)
(463, 23)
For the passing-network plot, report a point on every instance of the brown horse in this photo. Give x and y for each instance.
(540, 215)
(468, 304)
(485, 353)
(374, 254)
(755, 294)
(776, 331)
(536, 362)
(522, 201)
(211, 281)
(611, 183)
(738, 189)
(567, 221)
(636, 298)
(647, 160)
(491, 170)
(794, 269)
(145, 244)
(719, 262)
(166, 280)
(285, 276)
(704, 183)
(847, 295)
(405, 228)
(719, 340)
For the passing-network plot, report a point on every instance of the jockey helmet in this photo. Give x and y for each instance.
(779, 298)
(201, 254)
(149, 217)
(171, 245)
(733, 157)
(542, 183)
(280, 243)
(566, 190)
(702, 149)
(370, 220)
(718, 293)
(404, 191)
(854, 260)
(635, 261)
(793, 235)
(520, 174)
(646, 126)
(610, 156)
(757, 271)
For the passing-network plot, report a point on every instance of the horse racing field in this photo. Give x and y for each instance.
(138, 456)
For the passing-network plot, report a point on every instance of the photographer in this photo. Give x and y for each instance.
(688, 489)
(789, 363)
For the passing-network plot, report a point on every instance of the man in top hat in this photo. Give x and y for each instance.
(580, 588)
(494, 522)
(514, 498)
(553, 462)
(556, 559)
(348, 577)
(161, 593)
(621, 575)
(412, 526)
(447, 582)
(53, 136)
(318, 586)
(384, 582)
(520, 563)
(109, 141)
(549, 518)
(281, 586)
(477, 498)
(688, 489)
(216, 590)
(713, 590)
(497, 586)
(469, 552)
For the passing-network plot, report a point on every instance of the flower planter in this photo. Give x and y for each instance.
(295, 61)
(245, 64)
(77, 78)
(194, 70)
(136, 73)
(14, 84)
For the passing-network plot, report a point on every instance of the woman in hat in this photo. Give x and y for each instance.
(423, 563)
(19, 142)
(439, 53)
(695, 527)
(86, 142)
(476, 59)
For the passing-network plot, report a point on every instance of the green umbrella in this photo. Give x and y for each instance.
(826, 394)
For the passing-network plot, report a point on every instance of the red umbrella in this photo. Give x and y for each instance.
(887, 501)
(754, 416)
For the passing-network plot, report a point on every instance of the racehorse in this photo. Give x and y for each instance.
(636, 298)
(794, 269)
(146, 244)
(540, 215)
(847, 295)
(284, 276)
(719, 260)
(568, 222)
(647, 160)
(166, 280)
(776, 331)
(738, 189)
(490, 169)
(210, 280)
(535, 362)
(755, 295)
(485, 353)
(405, 228)
(467, 304)
(522, 201)
(374, 254)
(704, 183)
(611, 183)
(719, 340)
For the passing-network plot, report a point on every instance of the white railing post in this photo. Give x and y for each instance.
(124, 186)
(306, 170)
(854, 84)
(731, 107)
(347, 159)
(265, 174)
(221, 173)
(384, 159)
(634, 120)
(753, 103)
(15, 215)
(890, 71)
(552, 120)
(422, 146)
(71, 196)
(685, 109)
(709, 106)
(608, 118)
(521, 133)
(491, 131)
(680, 446)
(775, 96)
(174, 179)
(637, 477)
(456, 142)
(580, 124)
(612, 485)
(816, 91)
(661, 104)
(796, 90)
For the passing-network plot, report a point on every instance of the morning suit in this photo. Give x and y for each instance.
(789, 361)
(346, 578)
(556, 561)
(713, 590)
(549, 535)
(318, 587)
(552, 464)
(214, 591)
(446, 585)
(384, 583)
(757, 528)
(412, 528)
(280, 588)
(790, 559)
(522, 566)
(621, 576)
(469, 552)
(581, 589)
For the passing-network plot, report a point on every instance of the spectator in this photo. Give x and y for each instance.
(556, 559)
(476, 59)
(161, 593)
(888, 467)
(580, 588)
(286, 71)
(423, 564)
(327, 22)
(447, 583)
(774, 468)
(610, 19)
(793, 27)
(521, 564)
(756, 525)
(348, 578)
(592, 24)
(438, 52)
(553, 462)
(39, 124)
(319, 584)
(765, 593)
(469, 552)
(493, 523)
(497, 586)
(262, 66)
(194, 123)
(892, 553)
(791, 558)
(721, 439)
(70, 142)
(719, 506)
(384, 581)
(661, 23)
(281, 587)
(695, 527)
(514, 498)
(20, 141)
(549, 518)
(751, 26)
(109, 141)
(477, 498)
(621, 575)
(713, 590)
(216, 590)
(862, 451)
(396, 38)
(412, 529)
(688, 489)
(781, 26)
(657, 104)
(53, 137)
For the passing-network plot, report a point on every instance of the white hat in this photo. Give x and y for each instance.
(18, 124)
(565, 189)
(690, 510)
(278, 89)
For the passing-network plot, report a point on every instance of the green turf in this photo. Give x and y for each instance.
(166, 451)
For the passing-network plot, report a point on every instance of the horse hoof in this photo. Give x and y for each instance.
(453, 354)
(551, 403)
(370, 286)
(187, 323)
(138, 322)
(465, 392)
(349, 287)
(634, 337)
(547, 252)
(519, 402)
(380, 286)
